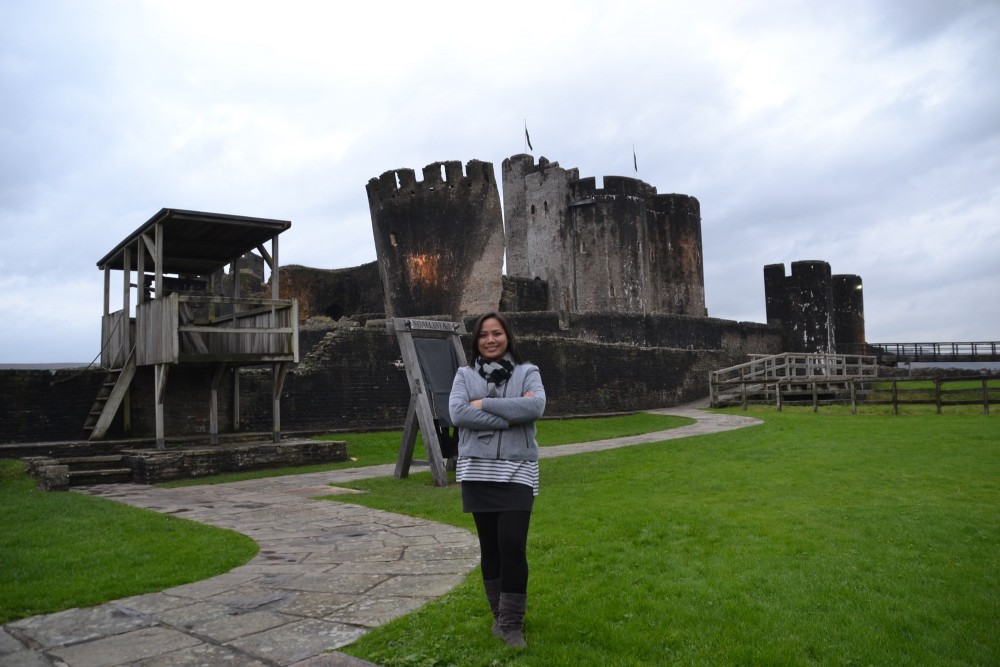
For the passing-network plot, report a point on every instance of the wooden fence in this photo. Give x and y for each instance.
(939, 392)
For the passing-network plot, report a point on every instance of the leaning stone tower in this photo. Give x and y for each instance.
(439, 241)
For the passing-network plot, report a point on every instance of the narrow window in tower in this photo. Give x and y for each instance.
(392, 239)
(583, 247)
(545, 207)
(532, 209)
(444, 174)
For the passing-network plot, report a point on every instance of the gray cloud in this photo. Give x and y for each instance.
(865, 134)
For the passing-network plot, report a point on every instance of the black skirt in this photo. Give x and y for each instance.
(496, 497)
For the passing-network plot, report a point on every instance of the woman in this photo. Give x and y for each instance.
(494, 402)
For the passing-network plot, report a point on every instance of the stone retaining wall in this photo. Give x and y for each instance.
(351, 377)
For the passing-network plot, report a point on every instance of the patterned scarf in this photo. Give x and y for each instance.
(495, 372)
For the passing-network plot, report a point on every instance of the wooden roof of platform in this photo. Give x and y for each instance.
(197, 243)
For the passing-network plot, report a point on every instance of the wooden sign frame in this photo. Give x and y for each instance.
(424, 383)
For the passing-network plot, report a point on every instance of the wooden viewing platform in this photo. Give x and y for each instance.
(788, 376)
(181, 315)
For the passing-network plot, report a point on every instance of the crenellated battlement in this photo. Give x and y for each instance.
(439, 240)
(524, 164)
(437, 175)
(614, 186)
(675, 205)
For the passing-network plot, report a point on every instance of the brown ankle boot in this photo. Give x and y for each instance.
(512, 606)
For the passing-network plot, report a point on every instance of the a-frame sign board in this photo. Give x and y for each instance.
(432, 353)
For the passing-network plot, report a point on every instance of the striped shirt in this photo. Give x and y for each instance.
(497, 470)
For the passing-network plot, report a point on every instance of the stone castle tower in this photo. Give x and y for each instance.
(439, 241)
(621, 248)
(818, 311)
(849, 314)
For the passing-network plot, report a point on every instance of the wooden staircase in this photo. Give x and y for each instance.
(109, 398)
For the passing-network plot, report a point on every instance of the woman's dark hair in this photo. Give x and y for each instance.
(477, 328)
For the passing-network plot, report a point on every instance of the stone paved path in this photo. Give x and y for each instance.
(326, 573)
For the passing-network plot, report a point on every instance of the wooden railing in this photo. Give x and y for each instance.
(940, 352)
(759, 380)
(195, 329)
(116, 334)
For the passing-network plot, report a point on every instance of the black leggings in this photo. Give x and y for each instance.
(503, 543)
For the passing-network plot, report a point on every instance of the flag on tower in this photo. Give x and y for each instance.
(527, 137)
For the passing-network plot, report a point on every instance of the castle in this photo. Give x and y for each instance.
(604, 286)
(623, 248)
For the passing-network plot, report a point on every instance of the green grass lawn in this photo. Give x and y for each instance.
(63, 550)
(815, 539)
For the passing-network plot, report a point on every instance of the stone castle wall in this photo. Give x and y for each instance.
(351, 377)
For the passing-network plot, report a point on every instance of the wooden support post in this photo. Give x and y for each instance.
(213, 405)
(236, 398)
(426, 420)
(280, 369)
(937, 394)
(815, 397)
(895, 398)
(854, 397)
(127, 411)
(986, 396)
(275, 287)
(107, 290)
(126, 308)
(158, 260)
(160, 372)
(140, 272)
(777, 394)
(410, 427)
(234, 272)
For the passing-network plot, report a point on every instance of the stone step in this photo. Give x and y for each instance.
(105, 476)
(76, 463)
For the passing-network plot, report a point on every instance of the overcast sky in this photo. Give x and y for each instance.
(865, 134)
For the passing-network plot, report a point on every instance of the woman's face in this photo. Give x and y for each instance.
(492, 342)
